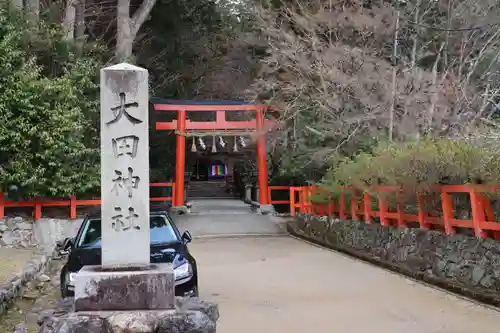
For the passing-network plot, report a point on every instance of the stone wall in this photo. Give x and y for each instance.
(463, 264)
(16, 232)
(23, 232)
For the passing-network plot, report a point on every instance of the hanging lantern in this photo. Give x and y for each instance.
(214, 145)
(193, 145)
(222, 142)
(235, 146)
(242, 142)
(202, 143)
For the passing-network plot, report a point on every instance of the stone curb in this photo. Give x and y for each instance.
(256, 235)
(418, 276)
(13, 290)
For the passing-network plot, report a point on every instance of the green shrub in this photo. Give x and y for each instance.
(47, 143)
(416, 167)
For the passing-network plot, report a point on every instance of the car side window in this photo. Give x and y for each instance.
(92, 234)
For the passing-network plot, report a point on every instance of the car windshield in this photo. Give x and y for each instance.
(161, 231)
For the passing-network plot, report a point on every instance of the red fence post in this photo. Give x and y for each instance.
(307, 200)
(354, 206)
(304, 202)
(490, 216)
(2, 205)
(292, 201)
(478, 216)
(331, 206)
(72, 207)
(383, 209)
(367, 205)
(422, 216)
(38, 209)
(447, 207)
(342, 206)
(400, 210)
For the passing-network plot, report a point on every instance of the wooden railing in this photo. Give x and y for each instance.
(371, 208)
(348, 205)
(72, 203)
(277, 188)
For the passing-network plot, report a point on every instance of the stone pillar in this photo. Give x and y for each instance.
(124, 165)
(126, 280)
(257, 193)
(248, 193)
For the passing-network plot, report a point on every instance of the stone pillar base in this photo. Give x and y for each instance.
(98, 288)
(180, 210)
(266, 209)
(190, 315)
(261, 209)
(248, 193)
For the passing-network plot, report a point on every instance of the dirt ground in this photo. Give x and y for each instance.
(280, 284)
(12, 261)
(38, 296)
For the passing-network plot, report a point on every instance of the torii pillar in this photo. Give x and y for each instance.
(180, 159)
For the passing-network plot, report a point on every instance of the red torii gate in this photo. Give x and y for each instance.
(182, 125)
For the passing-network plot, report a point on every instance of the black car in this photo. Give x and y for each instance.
(167, 246)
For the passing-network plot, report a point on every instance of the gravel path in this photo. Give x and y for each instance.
(280, 284)
(12, 261)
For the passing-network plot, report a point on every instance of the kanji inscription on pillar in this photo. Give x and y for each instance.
(125, 183)
(125, 221)
(125, 145)
(124, 165)
(121, 110)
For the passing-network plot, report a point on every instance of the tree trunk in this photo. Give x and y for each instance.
(128, 27)
(80, 20)
(124, 38)
(80, 26)
(69, 20)
(34, 11)
(435, 91)
(394, 74)
(16, 4)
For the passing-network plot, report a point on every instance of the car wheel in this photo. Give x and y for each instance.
(64, 290)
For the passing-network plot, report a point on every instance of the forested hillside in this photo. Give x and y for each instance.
(358, 86)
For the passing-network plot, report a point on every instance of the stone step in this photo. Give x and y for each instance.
(207, 184)
(208, 189)
(203, 194)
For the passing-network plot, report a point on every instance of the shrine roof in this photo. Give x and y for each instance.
(159, 100)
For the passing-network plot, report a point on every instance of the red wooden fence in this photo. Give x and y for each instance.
(482, 220)
(72, 203)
